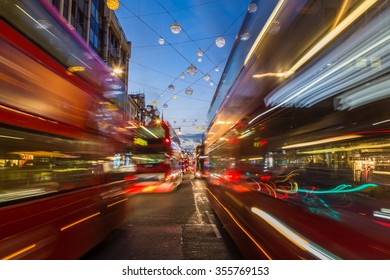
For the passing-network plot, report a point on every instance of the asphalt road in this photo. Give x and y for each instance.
(172, 226)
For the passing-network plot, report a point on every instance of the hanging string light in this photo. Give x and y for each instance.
(182, 75)
(175, 28)
(192, 70)
(171, 87)
(275, 27)
(206, 77)
(199, 53)
(165, 105)
(252, 8)
(220, 42)
(161, 41)
(113, 4)
(188, 91)
(244, 36)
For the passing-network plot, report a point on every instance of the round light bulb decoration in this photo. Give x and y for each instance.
(154, 103)
(113, 4)
(175, 96)
(175, 28)
(188, 91)
(165, 105)
(252, 8)
(244, 36)
(192, 70)
(182, 75)
(171, 87)
(220, 42)
(211, 83)
(206, 77)
(161, 41)
(216, 69)
(275, 27)
(199, 52)
(199, 59)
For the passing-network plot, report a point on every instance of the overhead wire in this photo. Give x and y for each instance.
(139, 17)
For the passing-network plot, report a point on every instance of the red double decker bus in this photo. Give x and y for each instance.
(156, 155)
(200, 162)
(61, 191)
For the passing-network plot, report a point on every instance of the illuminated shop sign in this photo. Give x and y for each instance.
(140, 141)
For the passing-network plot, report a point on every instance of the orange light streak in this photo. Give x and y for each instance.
(21, 251)
(80, 221)
(240, 226)
(117, 202)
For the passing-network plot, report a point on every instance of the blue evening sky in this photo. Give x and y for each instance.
(153, 67)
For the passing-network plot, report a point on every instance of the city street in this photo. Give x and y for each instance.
(177, 225)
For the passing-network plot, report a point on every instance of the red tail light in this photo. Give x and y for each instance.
(168, 175)
(265, 177)
(232, 175)
(131, 178)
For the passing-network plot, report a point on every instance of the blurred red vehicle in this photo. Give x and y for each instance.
(156, 155)
(61, 191)
(299, 138)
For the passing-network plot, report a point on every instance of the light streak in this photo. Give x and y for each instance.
(256, 158)
(21, 251)
(384, 213)
(340, 14)
(34, 20)
(292, 188)
(117, 202)
(385, 121)
(148, 131)
(149, 189)
(294, 237)
(279, 75)
(246, 133)
(80, 221)
(271, 190)
(26, 114)
(264, 30)
(334, 33)
(344, 149)
(235, 200)
(317, 48)
(240, 226)
(322, 141)
(343, 188)
(11, 137)
(74, 69)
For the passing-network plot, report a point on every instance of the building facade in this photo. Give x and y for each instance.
(101, 30)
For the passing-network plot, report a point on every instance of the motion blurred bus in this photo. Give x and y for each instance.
(61, 188)
(299, 139)
(200, 162)
(156, 155)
